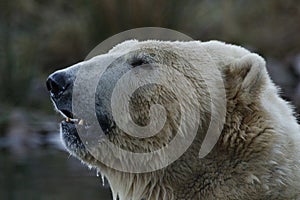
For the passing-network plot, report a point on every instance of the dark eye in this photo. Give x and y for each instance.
(137, 62)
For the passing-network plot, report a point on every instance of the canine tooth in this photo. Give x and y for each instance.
(81, 122)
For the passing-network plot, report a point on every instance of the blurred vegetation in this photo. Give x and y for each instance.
(40, 36)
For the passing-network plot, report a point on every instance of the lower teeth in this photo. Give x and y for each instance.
(80, 122)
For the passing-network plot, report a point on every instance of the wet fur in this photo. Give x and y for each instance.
(257, 155)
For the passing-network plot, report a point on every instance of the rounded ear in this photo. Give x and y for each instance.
(246, 77)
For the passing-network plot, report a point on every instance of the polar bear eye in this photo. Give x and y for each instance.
(138, 59)
(138, 62)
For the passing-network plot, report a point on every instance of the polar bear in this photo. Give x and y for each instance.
(256, 156)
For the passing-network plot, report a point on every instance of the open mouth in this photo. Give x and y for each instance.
(73, 119)
(77, 136)
(69, 131)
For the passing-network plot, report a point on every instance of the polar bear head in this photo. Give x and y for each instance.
(171, 100)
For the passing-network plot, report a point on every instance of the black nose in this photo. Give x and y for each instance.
(57, 83)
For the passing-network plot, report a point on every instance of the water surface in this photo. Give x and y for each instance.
(47, 173)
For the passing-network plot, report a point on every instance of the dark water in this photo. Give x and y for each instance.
(48, 174)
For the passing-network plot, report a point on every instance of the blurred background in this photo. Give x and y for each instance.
(38, 37)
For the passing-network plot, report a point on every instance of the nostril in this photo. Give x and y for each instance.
(56, 84)
(54, 87)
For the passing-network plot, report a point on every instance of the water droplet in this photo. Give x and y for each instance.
(103, 180)
(98, 173)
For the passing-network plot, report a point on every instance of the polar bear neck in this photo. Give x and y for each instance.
(132, 186)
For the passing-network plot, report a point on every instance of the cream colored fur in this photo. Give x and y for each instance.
(258, 153)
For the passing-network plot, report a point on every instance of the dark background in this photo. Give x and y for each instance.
(38, 37)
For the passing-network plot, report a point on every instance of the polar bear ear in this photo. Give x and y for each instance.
(246, 76)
